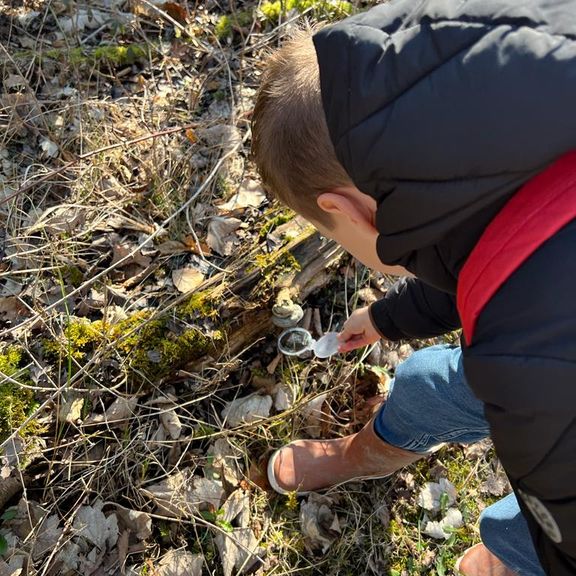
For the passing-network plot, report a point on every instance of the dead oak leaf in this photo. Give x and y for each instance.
(117, 414)
(246, 410)
(94, 527)
(249, 194)
(123, 251)
(238, 550)
(184, 495)
(135, 521)
(221, 234)
(187, 279)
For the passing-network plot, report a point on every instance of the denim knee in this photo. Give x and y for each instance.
(430, 402)
(504, 531)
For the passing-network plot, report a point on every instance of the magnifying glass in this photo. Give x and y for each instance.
(296, 341)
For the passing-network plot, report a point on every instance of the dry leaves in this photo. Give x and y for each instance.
(250, 193)
(12, 309)
(117, 415)
(180, 563)
(171, 423)
(64, 218)
(71, 410)
(137, 522)
(313, 415)
(320, 525)
(238, 550)
(94, 527)
(496, 485)
(247, 410)
(183, 494)
(224, 462)
(33, 531)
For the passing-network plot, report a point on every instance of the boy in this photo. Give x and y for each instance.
(435, 136)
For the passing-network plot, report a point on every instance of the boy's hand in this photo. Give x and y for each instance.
(358, 331)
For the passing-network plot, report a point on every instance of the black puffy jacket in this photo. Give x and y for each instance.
(441, 110)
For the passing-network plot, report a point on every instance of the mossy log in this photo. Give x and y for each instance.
(295, 271)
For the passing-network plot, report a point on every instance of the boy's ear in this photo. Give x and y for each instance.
(344, 206)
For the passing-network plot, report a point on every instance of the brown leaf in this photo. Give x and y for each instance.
(171, 247)
(137, 522)
(221, 234)
(183, 494)
(496, 485)
(250, 193)
(123, 542)
(313, 415)
(11, 308)
(175, 11)
(117, 414)
(120, 251)
(246, 410)
(192, 245)
(186, 279)
(238, 549)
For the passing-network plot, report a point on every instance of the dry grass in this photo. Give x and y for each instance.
(106, 159)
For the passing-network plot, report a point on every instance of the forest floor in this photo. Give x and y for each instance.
(140, 262)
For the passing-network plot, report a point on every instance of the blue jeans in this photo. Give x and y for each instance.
(430, 403)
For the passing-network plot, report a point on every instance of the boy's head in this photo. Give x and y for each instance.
(290, 139)
(296, 158)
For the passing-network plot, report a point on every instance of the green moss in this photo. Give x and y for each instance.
(271, 267)
(229, 22)
(199, 304)
(274, 222)
(155, 352)
(16, 402)
(151, 350)
(325, 9)
(279, 261)
(120, 55)
(78, 337)
(114, 55)
(223, 27)
(223, 186)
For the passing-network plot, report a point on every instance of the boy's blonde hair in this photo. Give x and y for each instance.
(290, 140)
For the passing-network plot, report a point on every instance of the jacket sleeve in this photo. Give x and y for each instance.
(413, 309)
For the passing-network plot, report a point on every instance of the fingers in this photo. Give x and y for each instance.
(353, 343)
(358, 331)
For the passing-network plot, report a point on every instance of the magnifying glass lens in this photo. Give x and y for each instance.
(294, 341)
